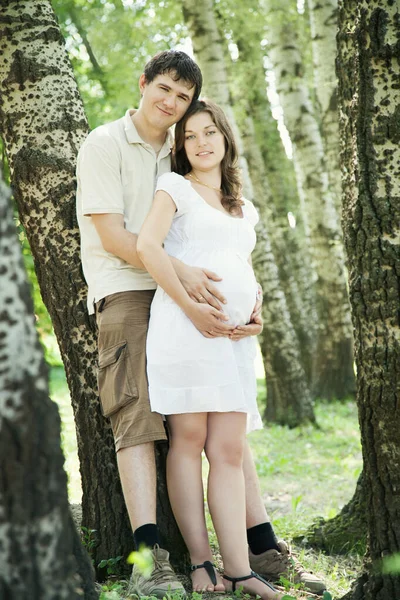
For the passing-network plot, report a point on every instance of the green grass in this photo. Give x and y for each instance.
(59, 392)
(304, 473)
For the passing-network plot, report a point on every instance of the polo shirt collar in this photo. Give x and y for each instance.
(134, 138)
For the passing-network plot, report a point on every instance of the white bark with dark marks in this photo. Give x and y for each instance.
(40, 552)
(42, 123)
(289, 400)
(334, 376)
(323, 21)
(369, 96)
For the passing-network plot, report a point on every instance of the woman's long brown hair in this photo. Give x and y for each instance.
(231, 186)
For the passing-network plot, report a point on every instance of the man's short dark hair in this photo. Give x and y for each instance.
(178, 65)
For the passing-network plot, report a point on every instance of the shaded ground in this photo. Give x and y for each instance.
(304, 473)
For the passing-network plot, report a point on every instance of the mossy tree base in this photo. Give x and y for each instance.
(344, 533)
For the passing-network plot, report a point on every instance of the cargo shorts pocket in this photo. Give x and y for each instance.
(116, 383)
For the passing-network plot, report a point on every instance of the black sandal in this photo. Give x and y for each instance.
(236, 580)
(209, 567)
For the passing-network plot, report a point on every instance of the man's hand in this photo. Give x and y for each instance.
(253, 328)
(198, 284)
(258, 305)
(209, 321)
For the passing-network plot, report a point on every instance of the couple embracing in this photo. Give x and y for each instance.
(183, 352)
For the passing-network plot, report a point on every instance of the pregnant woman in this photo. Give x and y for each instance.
(203, 379)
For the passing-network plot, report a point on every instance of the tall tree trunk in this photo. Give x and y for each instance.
(369, 96)
(323, 21)
(289, 403)
(42, 123)
(334, 357)
(273, 177)
(40, 551)
(288, 397)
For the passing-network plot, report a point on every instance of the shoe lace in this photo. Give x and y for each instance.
(162, 571)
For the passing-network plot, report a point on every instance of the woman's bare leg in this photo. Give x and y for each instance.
(226, 497)
(186, 494)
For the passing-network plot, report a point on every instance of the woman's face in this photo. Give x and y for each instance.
(204, 143)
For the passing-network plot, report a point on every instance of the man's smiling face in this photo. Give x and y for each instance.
(164, 101)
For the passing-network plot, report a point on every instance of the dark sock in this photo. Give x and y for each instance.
(262, 538)
(146, 535)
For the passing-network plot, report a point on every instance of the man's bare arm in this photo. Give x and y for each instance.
(122, 243)
(116, 239)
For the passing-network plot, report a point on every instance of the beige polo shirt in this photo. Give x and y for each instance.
(117, 173)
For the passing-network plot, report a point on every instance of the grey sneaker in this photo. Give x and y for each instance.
(161, 582)
(272, 564)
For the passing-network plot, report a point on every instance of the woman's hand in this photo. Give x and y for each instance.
(208, 320)
(258, 305)
(253, 328)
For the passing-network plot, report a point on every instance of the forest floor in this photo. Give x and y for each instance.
(304, 473)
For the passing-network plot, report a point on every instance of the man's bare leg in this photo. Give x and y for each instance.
(268, 556)
(260, 533)
(255, 510)
(137, 471)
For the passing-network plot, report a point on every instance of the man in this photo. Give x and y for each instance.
(118, 165)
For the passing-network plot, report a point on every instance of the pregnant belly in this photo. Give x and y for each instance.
(238, 284)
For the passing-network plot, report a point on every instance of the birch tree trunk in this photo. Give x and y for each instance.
(273, 177)
(42, 123)
(323, 21)
(40, 552)
(334, 357)
(288, 397)
(369, 98)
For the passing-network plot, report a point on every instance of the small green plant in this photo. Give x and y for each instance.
(109, 595)
(114, 586)
(88, 538)
(111, 565)
(289, 584)
(296, 501)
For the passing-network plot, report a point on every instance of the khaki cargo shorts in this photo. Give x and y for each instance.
(122, 321)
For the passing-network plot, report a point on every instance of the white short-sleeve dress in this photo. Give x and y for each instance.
(188, 372)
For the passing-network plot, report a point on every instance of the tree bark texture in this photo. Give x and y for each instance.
(273, 178)
(40, 552)
(208, 46)
(323, 21)
(334, 355)
(288, 398)
(369, 96)
(42, 123)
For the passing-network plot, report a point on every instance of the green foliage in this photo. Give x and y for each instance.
(109, 44)
(143, 559)
(112, 565)
(4, 169)
(325, 596)
(43, 322)
(391, 564)
(111, 593)
(88, 538)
